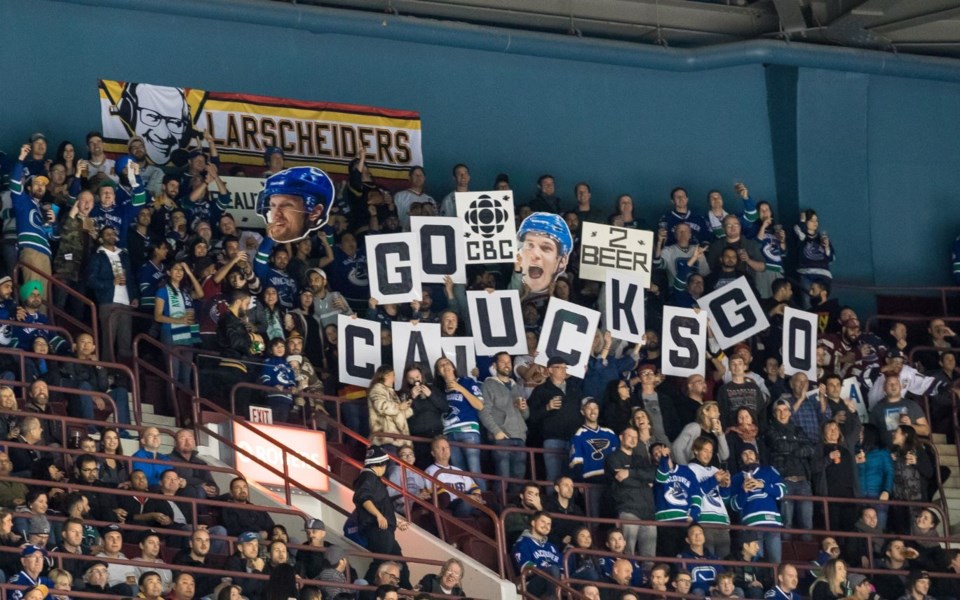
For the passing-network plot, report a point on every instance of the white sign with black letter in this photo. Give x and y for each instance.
(609, 248)
(415, 343)
(799, 343)
(568, 331)
(358, 345)
(462, 352)
(623, 313)
(244, 192)
(683, 342)
(394, 263)
(735, 313)
(489, 227)
(441, 248)
(496, 322)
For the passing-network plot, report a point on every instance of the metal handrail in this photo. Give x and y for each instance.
(433, 506)
(733, 528)
(43, 326)
(530, 451)
(287, 452)
(172, 383)
(22, 354)
(63, 390)
(147, 566)
(91, 328)
(559, 584)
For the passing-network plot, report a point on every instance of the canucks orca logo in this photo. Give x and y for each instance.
(675, 494)
(598, 445)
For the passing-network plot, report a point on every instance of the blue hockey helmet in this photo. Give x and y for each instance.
(309, 183)
(550, 225)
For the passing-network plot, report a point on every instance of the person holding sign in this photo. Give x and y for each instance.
(545, 246)
(295, 203)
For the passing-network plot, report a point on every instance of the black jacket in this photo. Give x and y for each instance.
(428, 411)
(791, 451)
(233, 338)
(196, 478)
(558, 424)
(370, 487)
(205, 583)
(238, 520)
(635, 493)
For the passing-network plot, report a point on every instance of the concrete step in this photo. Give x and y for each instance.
(938, 438)
(949, 492)
(948, 456)
(954, 505)
(952, 482)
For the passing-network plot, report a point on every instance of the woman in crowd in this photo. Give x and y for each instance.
(832, 583)
(815, 252)
(583, 566)
(67, 155)
(641, 420)
(8, 423)
(618, 405)
(9, 561)
(174, 309)
(745, 433)
(388, 414)
(462, 423)
(268, 317)
(623, 216)
(707, 425)
(112, 470)
(912, 471)
(836, 476)
(428, 406)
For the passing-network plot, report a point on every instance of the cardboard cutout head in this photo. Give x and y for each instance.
(157, 114)
(295, 202)
(545, 246)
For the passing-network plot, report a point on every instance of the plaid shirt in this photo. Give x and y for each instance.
(808, 417)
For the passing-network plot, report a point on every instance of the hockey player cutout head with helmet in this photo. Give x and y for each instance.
(545, 246)
(295, 202)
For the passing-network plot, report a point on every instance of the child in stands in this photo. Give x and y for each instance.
(278, 373)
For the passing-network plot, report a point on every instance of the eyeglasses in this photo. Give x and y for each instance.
(392, 576)
(152, 118)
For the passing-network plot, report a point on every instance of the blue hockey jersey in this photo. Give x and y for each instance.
(527, 550)
(589, 449)
(676, 494)
(704, 574)
(761, 506)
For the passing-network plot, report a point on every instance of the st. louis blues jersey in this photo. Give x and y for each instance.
(589, 449)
